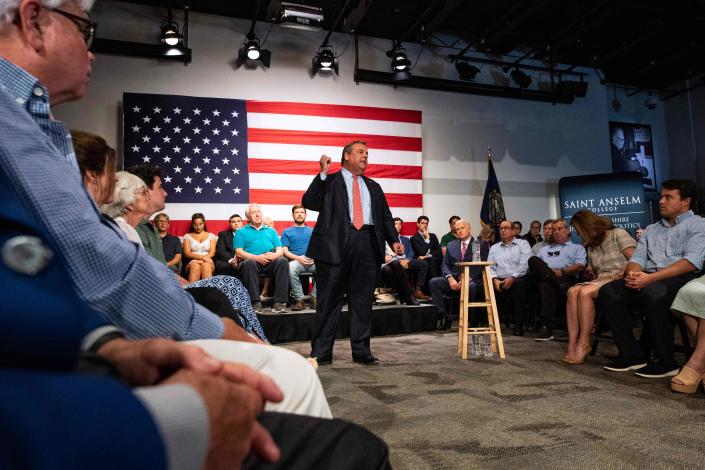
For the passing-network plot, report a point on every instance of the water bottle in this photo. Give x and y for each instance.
(475, 250)
(474, 345)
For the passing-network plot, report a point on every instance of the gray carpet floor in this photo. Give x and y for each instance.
(436, 411)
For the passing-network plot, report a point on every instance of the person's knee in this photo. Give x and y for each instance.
(248, 265)
(655, 292)
(574, 292)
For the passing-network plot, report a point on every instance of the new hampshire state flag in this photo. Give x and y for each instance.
(492, 211)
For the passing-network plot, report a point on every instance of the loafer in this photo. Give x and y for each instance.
(367, 359)
(624, 365)
(657, 370)
(324, 360)
(297, 305)
(279, 307)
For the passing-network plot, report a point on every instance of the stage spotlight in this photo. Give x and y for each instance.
(466, 71)
(520, 78)
(572, 88)
(169, 31)
(325, 60)
(400, 63)
(252, 51)
(651, 102)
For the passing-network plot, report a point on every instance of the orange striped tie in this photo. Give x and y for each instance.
(357, 220)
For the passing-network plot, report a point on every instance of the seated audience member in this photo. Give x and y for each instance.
(268, 222)
(638, 232)
(450, 236)
(152, 177)
(547, 237)
(517, 229)
(667, 256)
(608, 248)
(690, 302)
(511, 262)
(43, 197)
(294, 243)
(487, 234)
(129, 205)
(260, 251)
(533, 236)
(97, 162)
(458, 250)
(554, 270)
(171, 245)
(426, 247)
(416, 270)
(225, 257)
(199, 249)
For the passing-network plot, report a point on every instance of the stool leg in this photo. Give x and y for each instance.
(464, 302)
(490, 318)
(493, 303)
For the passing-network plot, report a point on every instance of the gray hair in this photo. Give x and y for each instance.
(126, 185)
(8, 8)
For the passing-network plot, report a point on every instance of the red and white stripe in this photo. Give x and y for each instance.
(285, 143)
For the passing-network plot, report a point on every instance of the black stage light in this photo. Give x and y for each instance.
(325, 60)
(520, 78)
(252, 51)
(651, 102)
(466, 71)
(576, 88)
(400, 63)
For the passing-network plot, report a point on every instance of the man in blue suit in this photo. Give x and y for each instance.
(457, 251)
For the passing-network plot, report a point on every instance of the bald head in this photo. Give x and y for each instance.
(254, 215)
(462, 229)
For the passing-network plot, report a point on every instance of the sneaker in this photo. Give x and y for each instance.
(656, 370)
(279, 307)
(624, 365)
(257, 306)
(297, 305)
(544, 335)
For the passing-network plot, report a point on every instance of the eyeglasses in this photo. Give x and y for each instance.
(85, 26)
(144, 192)
(554, 253)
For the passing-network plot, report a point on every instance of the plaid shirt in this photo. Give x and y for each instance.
(115, 277)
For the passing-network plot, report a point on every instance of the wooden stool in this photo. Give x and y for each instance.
(493, 326)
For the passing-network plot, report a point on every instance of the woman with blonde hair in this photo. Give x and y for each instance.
(609, 249)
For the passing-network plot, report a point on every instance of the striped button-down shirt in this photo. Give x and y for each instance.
(510, 259)
(662, 244)
(115, 277)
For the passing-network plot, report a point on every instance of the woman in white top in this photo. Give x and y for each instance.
(130, 204)
(199, 249)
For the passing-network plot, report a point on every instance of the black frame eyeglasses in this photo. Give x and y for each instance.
(85, 26)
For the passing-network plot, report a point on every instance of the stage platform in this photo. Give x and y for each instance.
(386, 320)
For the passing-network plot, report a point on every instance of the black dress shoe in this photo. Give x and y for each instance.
(324, 361)
(367, 359)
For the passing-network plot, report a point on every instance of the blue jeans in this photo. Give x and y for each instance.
(295, 270)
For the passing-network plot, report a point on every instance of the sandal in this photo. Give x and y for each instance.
(690, 380)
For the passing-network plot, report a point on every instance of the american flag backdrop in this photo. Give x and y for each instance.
(217, 155)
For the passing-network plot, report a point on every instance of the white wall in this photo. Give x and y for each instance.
(533, 144)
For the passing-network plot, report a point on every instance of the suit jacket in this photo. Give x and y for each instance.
(42, 324)
(224, 248)
(453, 256)
(419, 245)
(329, 198)
(408, 249)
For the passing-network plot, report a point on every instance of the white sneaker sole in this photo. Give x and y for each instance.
(625, 369)
(670, 373)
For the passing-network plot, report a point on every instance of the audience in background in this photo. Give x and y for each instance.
(199, 249)
(554, 270)
(129, 205)
(416, 270)
(151, 175)
(225, 257)
(690, 302)
(638, 232)
(171, 245)
(547, 237)
(260, 251)
(608, 249)
(487, 234)
(667, 256)
(426, 247)
(533, 236)
(450, 236)
(294, 243)
(517, 229)
(462, 249)
(97, 162)
(511, 263)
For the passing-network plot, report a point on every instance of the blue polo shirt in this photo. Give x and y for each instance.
(296, 239)
(256, 241)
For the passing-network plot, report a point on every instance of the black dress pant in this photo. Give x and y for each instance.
(617, 302)
(224, 268)
(395, 276)
(249, 271)
(513, 300)
(356, 275)
(418, 272)
(552, 289)
(307, 442)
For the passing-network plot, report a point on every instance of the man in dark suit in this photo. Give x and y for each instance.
(225, 258)
(347, 244)
(426, 247)
(457, 251)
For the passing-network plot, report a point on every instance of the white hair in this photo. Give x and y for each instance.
(126, 185)
(8, 8)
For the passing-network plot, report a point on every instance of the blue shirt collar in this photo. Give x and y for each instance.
(21, 85)
(679, 219)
